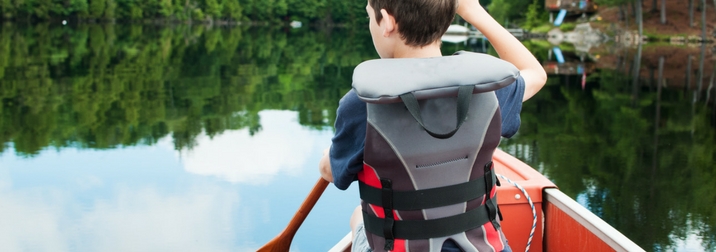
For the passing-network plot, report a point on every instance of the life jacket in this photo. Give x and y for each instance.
(433, 125)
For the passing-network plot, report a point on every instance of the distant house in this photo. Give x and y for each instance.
(572, 6)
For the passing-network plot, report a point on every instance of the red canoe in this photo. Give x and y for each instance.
(562, 224)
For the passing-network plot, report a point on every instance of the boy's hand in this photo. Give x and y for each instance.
(324, 166)
(469, 8)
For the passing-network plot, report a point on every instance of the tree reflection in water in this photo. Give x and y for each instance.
(637, 148)
(99, 86)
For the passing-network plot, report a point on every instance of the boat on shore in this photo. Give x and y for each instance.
(538, 215)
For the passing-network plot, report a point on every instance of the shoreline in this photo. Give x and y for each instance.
(676, 28)
(174, 22)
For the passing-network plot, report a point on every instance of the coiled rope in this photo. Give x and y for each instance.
(532, 205)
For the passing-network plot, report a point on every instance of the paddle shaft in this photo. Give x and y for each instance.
(282, 242)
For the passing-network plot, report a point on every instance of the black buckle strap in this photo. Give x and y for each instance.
(390, 228)
(426, 198)
(426, 229)
(492, 210)
(389, 221)
(490, 204)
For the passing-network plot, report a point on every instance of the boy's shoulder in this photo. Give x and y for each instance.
(350, 104)
(350, 99)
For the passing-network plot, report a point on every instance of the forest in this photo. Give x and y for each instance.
(331, 11)
(326, 12)
(523, 13)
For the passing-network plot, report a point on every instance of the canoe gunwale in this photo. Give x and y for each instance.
(344, 245)
(590, 221)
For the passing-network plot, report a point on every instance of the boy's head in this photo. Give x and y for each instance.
(419, 22)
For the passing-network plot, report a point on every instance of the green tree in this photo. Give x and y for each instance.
(80, 8)
(232, 9)
(280, 9)
(509, 11)
(165, 8)
(304, 9)
(532, 18)
(97, 8)
(110, 11)
(7, 8)
(349, 12)
(212, 8)
(41, 8)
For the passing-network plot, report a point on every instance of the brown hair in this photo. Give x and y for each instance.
(420, 22)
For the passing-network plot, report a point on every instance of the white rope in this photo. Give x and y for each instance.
(532, 205)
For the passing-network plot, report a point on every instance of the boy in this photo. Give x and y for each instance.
(412, 29)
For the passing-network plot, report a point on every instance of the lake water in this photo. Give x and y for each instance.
(146, 138)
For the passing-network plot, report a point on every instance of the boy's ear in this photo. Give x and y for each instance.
(388, 23)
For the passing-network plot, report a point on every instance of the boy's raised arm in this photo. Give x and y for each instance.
(506, 45)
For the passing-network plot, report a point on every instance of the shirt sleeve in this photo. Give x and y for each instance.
(346, 154)
(510, 99)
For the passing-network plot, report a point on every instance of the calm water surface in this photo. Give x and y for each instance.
(143, 138)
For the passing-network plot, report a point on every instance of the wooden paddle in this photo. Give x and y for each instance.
(282, 242)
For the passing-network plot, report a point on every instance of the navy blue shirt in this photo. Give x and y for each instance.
(346, 153)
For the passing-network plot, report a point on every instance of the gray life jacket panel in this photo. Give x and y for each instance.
(433, 125)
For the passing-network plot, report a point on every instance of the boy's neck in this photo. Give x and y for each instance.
(429, 51)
